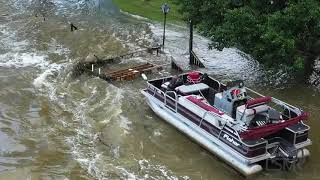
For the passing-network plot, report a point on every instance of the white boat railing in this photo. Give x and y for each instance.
(165, 96)
(175, 100)
(205, 114)
(279, 102)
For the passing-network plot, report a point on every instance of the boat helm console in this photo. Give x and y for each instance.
(231, 98)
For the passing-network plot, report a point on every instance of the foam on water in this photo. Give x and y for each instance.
(56, 48)
(157, 132)
(155, 171)
(17, 52)
(229, 61)
(125, 124)
(23, 60)
(52, 83)
(228, 64)
(83, 143)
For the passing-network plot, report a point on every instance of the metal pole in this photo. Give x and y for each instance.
(164, 29)
(191, 42)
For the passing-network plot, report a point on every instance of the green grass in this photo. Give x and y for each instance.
(150, 9)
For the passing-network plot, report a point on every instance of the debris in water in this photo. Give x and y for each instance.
(73, 27)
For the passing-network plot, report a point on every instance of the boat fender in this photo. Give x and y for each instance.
(144, 77)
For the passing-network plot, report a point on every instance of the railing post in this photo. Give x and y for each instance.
(222, 129)
(176, 98)
(203, 118)
(190, 42)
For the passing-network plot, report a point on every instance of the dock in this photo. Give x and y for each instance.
(126, 74)
(106, 68)
(100, 66)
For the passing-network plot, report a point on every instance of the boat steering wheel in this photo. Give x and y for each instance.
(237, 93)
(241, 96)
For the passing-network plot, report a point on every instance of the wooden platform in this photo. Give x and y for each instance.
(131, 72)
(86, 66)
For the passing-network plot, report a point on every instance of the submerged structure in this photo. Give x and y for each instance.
(100, 67)
(239, 125)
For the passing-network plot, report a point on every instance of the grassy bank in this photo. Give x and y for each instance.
(150, 9)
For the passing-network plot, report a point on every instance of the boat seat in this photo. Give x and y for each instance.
(204, 105)
(165, 85)
(274, 115)
(261, 123)
(190, 89)
(249, 113)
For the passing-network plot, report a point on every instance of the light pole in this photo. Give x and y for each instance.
(165, 9)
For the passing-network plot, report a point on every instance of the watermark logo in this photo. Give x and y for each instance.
(293, 165)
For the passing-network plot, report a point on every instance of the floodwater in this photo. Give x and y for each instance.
(50, 121)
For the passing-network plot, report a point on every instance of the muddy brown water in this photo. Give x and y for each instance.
(50, 120)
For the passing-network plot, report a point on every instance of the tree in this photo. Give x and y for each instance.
(274, 32)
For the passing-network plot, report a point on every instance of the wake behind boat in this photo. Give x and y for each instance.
(239, 125)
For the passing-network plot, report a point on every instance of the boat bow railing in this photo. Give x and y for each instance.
(166, 96)
(175, 100)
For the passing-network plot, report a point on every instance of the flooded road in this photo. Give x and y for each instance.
(50, 120)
